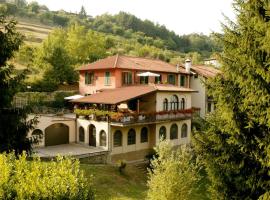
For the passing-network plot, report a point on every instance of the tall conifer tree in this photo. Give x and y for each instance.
(234, 143)
(13, 123)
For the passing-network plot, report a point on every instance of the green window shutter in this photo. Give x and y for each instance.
(107, 78)
(182, 80)
(86, 78)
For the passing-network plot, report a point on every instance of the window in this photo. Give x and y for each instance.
(107, 78)
(162, 132)
(89, 77)
(144, 79)
(174, 132)
(144, 135)
(182, 80)
(174, 102)
(183, 104)
(209, 106)
(126, 78)
(131, 137)
(81, 134)
(102, 139)
(171, 79)
(184, 131)
(165, 104)
(158, 79)
(117, 138)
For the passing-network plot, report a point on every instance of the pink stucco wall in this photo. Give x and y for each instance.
(99, 82)
(116, 80)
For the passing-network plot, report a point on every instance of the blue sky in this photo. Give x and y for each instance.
(181, 16)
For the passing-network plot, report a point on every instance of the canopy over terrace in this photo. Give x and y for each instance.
(148, 74)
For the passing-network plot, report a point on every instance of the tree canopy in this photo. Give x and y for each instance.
(13, 123)
(234, 142)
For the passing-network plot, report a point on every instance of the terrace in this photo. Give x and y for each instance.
(128, 117)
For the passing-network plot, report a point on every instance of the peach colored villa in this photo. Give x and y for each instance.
(150, 99)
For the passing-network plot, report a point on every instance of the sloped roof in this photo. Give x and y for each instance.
(206, 71)
(136, 63)
(119, 95)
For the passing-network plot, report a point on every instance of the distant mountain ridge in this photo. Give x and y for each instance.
(122, 24)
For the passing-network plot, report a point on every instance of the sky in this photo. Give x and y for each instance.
(180, 16)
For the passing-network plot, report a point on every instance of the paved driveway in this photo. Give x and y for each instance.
(77, 150)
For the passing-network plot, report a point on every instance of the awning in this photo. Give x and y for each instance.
(77, 96)
(148, 74)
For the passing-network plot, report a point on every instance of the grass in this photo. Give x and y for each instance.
(109, 184)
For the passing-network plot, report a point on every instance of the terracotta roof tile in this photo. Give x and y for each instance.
(205, 71)
(136, 63)
(118, 95)
(173, 88)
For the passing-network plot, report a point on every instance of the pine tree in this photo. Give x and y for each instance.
(234, 143)
(13, 123)
(82, 13)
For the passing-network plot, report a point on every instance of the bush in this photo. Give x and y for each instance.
(60, 179)
(121, 166)
(174, 174)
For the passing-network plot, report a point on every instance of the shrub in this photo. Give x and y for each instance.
(121, 166)
(174, 174)
(59, 179)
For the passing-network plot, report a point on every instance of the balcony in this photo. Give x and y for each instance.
(135, 118)
(119, 118)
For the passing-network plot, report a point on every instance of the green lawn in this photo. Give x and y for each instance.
(108, 183)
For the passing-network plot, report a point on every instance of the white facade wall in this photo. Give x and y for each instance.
(85, 123)
(45, 121)
(125, 148)
(162, 95)
(199, 98)
(179, 140)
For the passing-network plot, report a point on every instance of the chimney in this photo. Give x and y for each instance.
(188, 65)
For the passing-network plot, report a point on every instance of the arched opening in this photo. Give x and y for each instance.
(92, 135)
(102, 139)
(56, 134)
(183, 104)
(144, 135)
(117, 138)
(174, 102)
(165, 104)
(184, 131)
(162, 132)
(174, 132)
(81, 134)
(131, 136)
